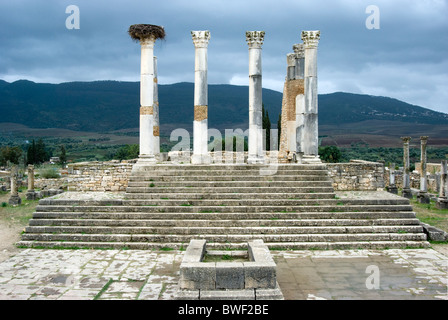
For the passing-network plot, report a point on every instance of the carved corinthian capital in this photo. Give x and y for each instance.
(299, 50)
(200, 38)
(406, 140)
(311, 38)
(255, 38)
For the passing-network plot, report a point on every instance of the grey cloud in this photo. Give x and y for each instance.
(411, 43)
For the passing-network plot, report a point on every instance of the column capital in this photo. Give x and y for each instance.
(299, 50)
(424, 139)
(255, 39)
(200, 38)
(311, 38)
(148, 41)
(406, 139)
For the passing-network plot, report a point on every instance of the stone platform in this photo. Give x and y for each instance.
(287, 206)
(46, 274)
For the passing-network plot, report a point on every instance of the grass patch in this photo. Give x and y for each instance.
(428, 213)
(20, 214)
(224, 257)
(103, 289)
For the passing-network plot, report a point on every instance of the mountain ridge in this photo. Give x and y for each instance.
(102, 106)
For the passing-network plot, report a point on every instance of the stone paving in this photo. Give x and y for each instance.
(46, 274)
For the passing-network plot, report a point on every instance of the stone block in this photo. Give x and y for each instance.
(230, 275)
(442, 203)
(269, 294)
(423, 197)
(434, 234)
(15, 200)
(187, 295)
(259, 275)
(198, 275)
(227, 295)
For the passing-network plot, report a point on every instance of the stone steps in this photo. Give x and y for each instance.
(223, 209)
(236, 190)
(224, 178)
(281, 173)
(227, 184)
(222, 223)
(215, 216)
(228, 205)
(275, 168)
(222, 230)
(235, 246)
(225, 238)
(208, 196)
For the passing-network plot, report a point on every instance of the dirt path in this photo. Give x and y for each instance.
(9, 234)
(10, 230)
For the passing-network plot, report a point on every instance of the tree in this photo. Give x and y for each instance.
(279, 127)
(266, 126)
(330, 154)
(129, 151)
(31, 153)
(11, 154)
(62, 156)
(37, 153)
(234, 142)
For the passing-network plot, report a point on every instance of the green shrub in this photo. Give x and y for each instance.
(49, 173)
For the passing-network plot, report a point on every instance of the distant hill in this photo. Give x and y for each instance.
(104, 106)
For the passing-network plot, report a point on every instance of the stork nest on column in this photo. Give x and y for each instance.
(143, 31)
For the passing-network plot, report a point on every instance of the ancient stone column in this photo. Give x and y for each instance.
(292, 105)
(406, 169)
(30, 194)
(392, 188)
(299, 51)
(423, 196)
(442, 200)
(146, 34)
(200, 123)
(310, 133)
(255, 41)
(14, 199)
(156, 128)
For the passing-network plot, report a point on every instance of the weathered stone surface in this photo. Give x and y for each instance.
(434, 234)
(198, 275)
(260, 275)
(357, 175)
(255, 41)
(227, 295)
(230, 275)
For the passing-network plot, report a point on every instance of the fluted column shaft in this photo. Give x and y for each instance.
(147, 99)
(255, 41)
(200, 123)
(310, 132)
(156, 126)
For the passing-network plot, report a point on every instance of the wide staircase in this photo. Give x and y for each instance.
(287, 206)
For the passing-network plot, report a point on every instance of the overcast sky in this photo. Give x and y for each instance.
(406, 58)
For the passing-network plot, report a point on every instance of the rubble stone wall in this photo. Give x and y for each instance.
(357, 175)
(99, 176)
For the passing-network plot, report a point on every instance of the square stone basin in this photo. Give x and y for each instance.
(253, 269)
